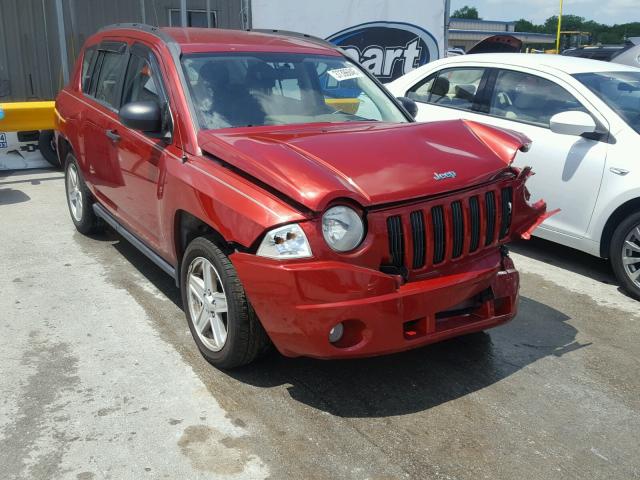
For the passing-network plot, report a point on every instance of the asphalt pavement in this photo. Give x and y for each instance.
(100, 378)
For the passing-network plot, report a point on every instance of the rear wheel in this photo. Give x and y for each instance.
(79, 199)
(47, 147)
(222, 322)
(625, 254)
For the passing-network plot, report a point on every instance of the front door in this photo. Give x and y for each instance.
(143, 157)
(568, 168)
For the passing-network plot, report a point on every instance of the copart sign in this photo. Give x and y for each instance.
(389, 38)
(387, 49)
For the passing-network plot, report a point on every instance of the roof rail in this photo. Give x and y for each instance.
(138, 26)
(143, 27)
(289, 33)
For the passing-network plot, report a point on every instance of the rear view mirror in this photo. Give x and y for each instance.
(627, 87)
(572, 123)
(409, 105)
(142, 116)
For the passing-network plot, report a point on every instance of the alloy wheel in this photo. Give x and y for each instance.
(74, 195)
(207, 303)
(631, 255)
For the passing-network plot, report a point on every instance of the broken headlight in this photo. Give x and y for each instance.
(342, 227)
(284, 243)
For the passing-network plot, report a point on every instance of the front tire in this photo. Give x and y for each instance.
(625, 254)
(79, 199)
(222, 322)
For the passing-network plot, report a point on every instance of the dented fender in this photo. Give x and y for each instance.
(527, 217)
(505, 144)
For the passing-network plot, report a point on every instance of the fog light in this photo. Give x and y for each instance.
(335, 334)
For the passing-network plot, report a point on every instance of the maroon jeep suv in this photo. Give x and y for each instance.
(287, 213)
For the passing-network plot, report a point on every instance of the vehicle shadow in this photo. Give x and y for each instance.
(163, 282)
(403, 383)
(420, 379)
(575, 157)
(9, 177)
(567, 258)
(9, 196)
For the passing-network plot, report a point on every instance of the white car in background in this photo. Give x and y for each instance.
(583, 117)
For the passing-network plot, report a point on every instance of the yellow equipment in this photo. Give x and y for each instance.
(19, 116)
(347, 105)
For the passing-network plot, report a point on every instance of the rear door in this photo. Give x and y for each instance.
(102, 92)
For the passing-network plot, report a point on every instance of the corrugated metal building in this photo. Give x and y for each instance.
(31, 49)
(481, 25)
(31, 65)
(465, 33)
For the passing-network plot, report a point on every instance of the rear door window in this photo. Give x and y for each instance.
(87, 63)
(453, 87)
(109, 76)
(420, 91)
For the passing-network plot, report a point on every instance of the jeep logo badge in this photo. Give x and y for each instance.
(388, 50)
(443, 175)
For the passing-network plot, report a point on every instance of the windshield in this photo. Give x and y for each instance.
(619, 90)
(252, 89)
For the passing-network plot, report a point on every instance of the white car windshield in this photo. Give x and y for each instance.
(619, 90)
(254, 89)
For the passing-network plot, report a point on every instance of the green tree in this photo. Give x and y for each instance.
(569, 22)
(523, 25)
(466, 12)
(608, 37)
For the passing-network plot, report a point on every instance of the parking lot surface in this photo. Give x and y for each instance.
(100, 378)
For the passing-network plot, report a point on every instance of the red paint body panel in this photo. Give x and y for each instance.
(243, 182)
(370, 163)
(197, 40)
(300, 303)
(160, 186)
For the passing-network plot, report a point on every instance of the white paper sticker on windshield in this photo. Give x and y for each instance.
(346, 73)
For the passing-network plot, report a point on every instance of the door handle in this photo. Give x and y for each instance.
(619, 171)
(113, 135)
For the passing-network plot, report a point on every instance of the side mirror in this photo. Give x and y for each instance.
(409, 105)
(143, 116)
(572, 123)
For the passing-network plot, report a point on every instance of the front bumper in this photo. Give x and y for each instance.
(298, 304)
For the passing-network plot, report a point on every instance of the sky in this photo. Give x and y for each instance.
(537, 11)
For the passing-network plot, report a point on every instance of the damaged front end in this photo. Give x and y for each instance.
(455, 232)
(527, 217)
(427, 269)
(505, 144)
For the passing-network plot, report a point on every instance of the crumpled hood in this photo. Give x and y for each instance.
(371, 163)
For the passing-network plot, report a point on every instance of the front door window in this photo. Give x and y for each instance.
(527, 98)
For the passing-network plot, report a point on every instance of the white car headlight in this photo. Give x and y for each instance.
(284, 243)
(342, 228)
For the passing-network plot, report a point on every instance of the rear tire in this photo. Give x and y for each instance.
(46, 145)
(79, 199)
(222, 322)
(624, 254)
